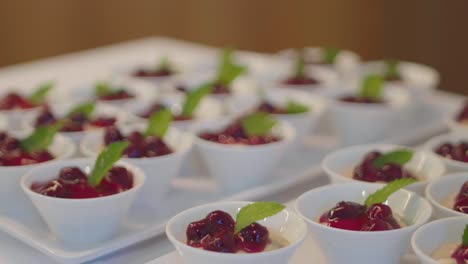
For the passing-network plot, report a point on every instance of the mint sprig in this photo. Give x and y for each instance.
(102, 88)
(465, 237)
(299, 67)
(382, 194)
(329, 55)
(41, 138)
(258, 124)
(164, 64)
(85, 109)
(293, 107)
(158, 123)
(193, 99)
(228, 70)
(391, 70)
(399, 156)
(105, 161)
(39, 95)
(372, 87)
(255, 212)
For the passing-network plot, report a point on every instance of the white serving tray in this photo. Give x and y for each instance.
(193, 187)
(308, 252)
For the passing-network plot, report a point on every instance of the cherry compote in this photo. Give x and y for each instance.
(457, 151)
(156, 107)
(267, 107)
(15, 101)
(461, 200)
(143, 73)
(216, 233)
(235, 134)
(460, 255)
(356, 217)
(72, 183)
(360, 100)
(11, 153)
(75, 122)
(367, 171)
(140, 146)
(116, 95)
(300, 80)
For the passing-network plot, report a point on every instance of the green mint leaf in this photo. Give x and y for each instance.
(105, 161)
(299, 67)
(293, 107)
(85, 109)
(399, 156)
(164, 64)
(392, 69)
(329, 55)
(41, 138)
(38, 96)
(158, 123)
(255, 212)
(228, 70)
(382, 194)
(372, 87)
(193, 99)
(102, 88)
(258, 124)
(465, 237)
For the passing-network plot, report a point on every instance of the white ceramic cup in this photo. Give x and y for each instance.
(343, 246)
(286, 223)
(61, 148)
(425, 165)
(81, 221)
(435, 234)
(454, 138)
(237, 167)
(159, 170)
(444, 190)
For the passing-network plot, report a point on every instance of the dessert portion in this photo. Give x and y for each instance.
(219, 232)
(190, 104)
(371, 92)
(391, 73)
(454, 151)
(253, 129)
(384, 167)
(453, 253)
(291, 107)
(15, 101)
(462, 116)
(373, 215)
(458, 201)
(163, 69)
(300, 76)
(78, 119)
(149, 143)
(27, 151)
(106, 92)
(104, 180)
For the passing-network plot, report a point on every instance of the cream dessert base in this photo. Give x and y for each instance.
(443, 254)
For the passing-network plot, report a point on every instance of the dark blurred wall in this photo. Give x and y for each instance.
(427, 31)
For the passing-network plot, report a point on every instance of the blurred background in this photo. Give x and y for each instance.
(425, 31)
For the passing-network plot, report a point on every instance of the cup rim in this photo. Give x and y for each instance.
(137, 173)
(426, 227)
(173, 239)
(447, 178)
(361, 186)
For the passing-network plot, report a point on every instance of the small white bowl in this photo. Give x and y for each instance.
(286, 223)
(159, 171)
(423, 164)
(238, 166)
(443, 190)
(346, 62)
(101, 109)
(138, 88)
(452, 165)
(61, 148)
(356, 123)
(341, 246)
(418, 78)
(14, 117)
(208, 108)
(81, 221)
(302, 122)
(435, 234)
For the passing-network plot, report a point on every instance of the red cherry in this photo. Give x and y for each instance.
(111, 135)
(223, 242)
(196, 231)
(379, 211)
(254, 238)
(376, 225)
(221, 220)
(460, 255)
